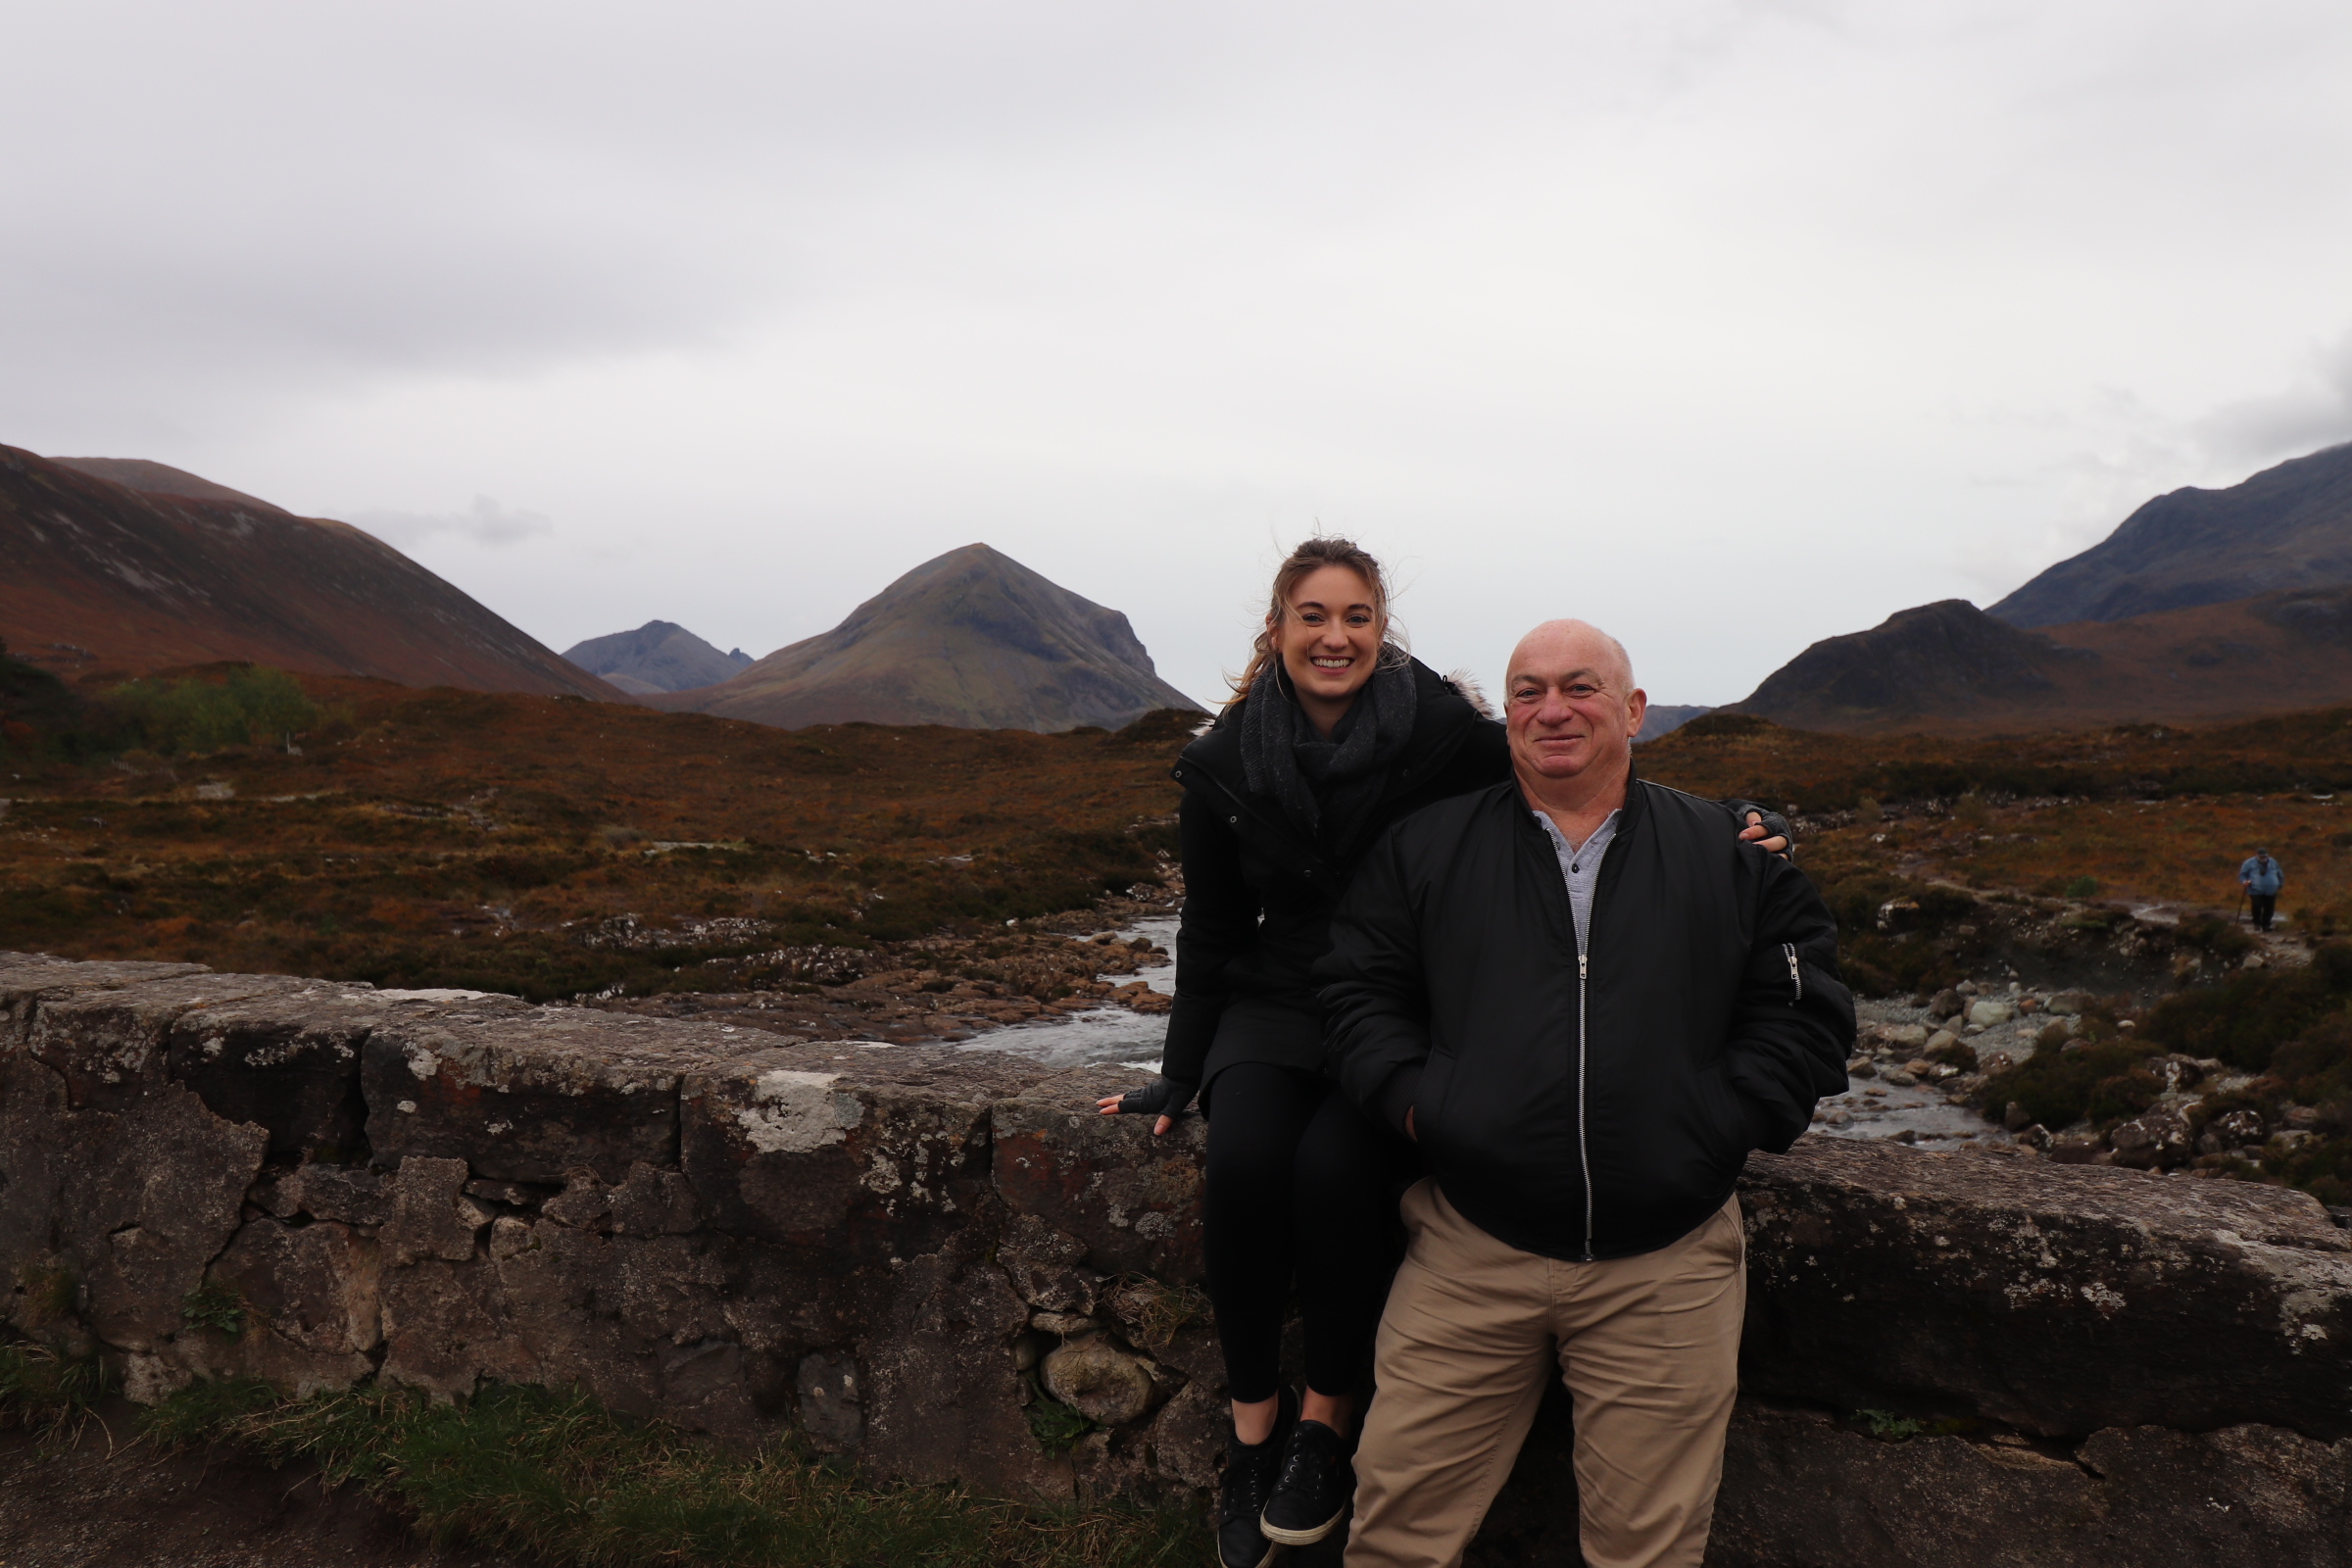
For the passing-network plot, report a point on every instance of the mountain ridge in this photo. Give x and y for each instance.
(1951, 668)
(2288, 526)
(97, 572)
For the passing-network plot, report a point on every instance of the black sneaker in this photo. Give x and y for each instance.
(1311, 1498)
(1251, 1470)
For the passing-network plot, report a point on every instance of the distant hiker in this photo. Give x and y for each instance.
(2262, 879)
(1333, 734)
(1587, 1004)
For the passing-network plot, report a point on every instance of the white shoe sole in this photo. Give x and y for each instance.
(1301, 1537)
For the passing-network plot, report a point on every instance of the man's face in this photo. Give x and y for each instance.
(1570, 703)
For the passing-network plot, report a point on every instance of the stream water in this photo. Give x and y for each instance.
(1099, 1034)
(1869, 1108)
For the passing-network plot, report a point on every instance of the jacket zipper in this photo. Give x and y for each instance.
(1796, 978)
(1584, 1153)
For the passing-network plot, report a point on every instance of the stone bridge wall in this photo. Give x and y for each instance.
(888, 1249)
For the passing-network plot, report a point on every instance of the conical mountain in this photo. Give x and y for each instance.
(973, 639)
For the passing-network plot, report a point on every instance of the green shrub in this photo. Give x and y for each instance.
(2083, 887)
(2247, 1020)
(252, 706)
(2103, 1079)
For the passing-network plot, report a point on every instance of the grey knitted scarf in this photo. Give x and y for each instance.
(1327, 788)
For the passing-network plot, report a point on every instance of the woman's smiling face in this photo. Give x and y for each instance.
(1330, 640)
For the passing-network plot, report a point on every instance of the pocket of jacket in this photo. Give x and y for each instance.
(1429, 1106)
(1728, 1113)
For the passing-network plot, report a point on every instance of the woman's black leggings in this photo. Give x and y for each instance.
(1300, 1181)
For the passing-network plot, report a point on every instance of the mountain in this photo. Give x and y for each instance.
(1664, 718)
(2286, 528)
(1952, 669)
(117, 562)
(660, 656)
(973, 639)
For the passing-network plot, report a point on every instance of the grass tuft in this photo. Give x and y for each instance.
(556, 1478)
(44, 1392)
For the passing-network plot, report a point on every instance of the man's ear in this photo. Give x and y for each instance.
(1636, 707)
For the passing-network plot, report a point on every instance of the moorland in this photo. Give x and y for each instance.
(926, 882)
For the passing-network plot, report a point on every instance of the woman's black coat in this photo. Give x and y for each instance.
(1259, 892)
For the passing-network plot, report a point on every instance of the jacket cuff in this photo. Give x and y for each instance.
(1399, 1096)
(1192, 1029)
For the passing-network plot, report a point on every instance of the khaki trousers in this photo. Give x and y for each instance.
(1648, 1347)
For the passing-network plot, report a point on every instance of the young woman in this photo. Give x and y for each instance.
(1333, 734)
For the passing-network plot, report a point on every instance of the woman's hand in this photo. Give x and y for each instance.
(1165, 1097)
(1768, 831)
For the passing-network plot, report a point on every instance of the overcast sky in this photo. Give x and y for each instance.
(1727, 326)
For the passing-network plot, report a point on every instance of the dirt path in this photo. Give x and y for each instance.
(107, 1500)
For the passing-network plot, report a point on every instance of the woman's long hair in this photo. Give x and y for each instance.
(1311, 556)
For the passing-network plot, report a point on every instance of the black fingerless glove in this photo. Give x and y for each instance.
(1162, 1096)
(1775, 826)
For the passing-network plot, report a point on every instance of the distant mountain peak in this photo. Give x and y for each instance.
(660, 656)
(970, 638)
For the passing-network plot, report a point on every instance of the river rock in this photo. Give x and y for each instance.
(1097, 1380)
(1944, 1004)
(1906, 1035)
(1988, 1011)
(2157, 1137)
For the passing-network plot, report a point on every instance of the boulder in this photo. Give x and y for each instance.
(2055, 1299)
(1797, 1487)
(1988, 1011)
(1099, 1381)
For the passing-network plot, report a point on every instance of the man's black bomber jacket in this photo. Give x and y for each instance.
(1705, 1018)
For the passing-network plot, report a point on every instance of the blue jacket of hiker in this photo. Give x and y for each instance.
(2261, 874)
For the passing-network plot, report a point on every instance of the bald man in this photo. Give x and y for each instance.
(1587, 999)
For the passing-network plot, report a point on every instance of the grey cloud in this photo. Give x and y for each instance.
(485, 522)
(2314, 413)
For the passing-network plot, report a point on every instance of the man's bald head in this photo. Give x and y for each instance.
(1579, 641)
(1572, 707)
